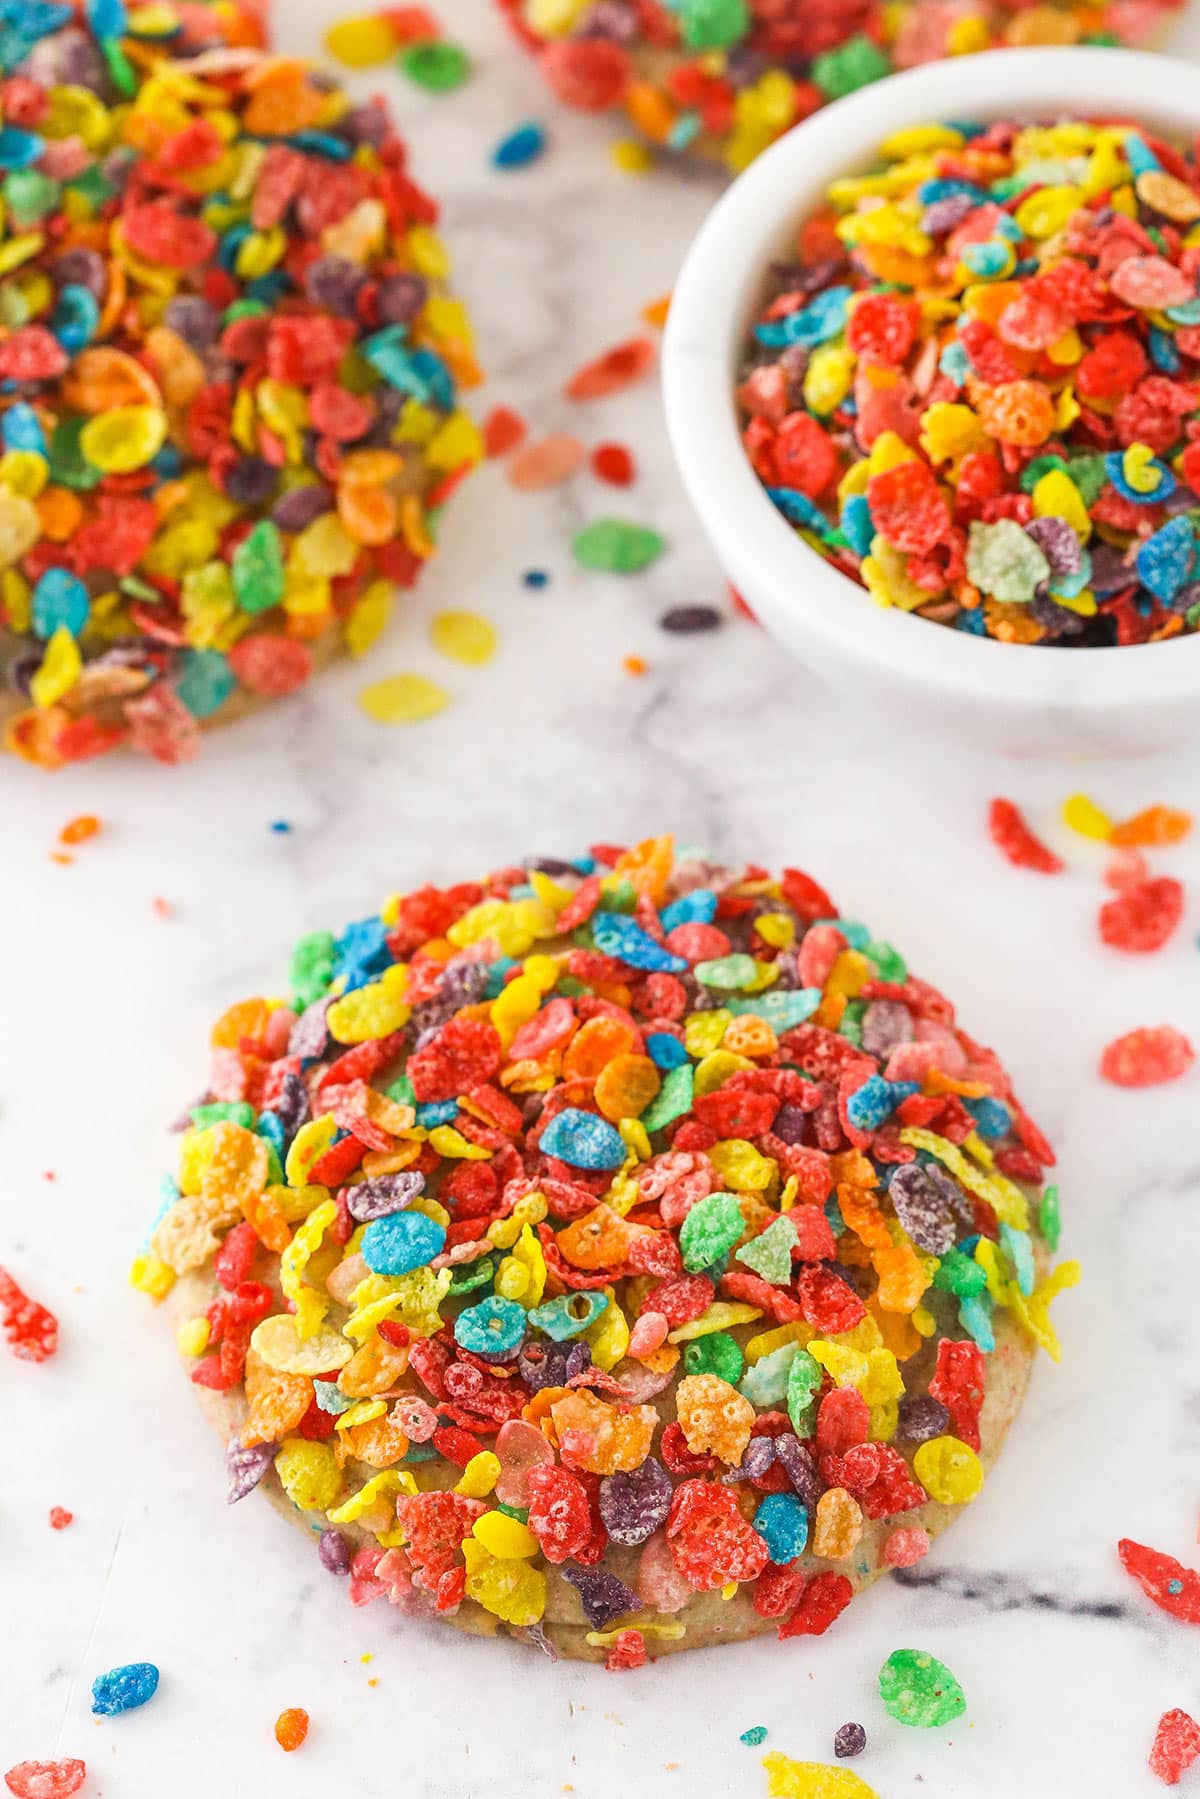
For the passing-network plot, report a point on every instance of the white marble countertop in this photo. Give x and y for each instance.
(107, 1008)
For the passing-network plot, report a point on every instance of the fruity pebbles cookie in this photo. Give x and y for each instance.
(627, 1252)
(229, 366)
(724, 78)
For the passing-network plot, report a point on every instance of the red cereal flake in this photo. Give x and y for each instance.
(627, 1650)
(1016, 841)
(60, 1517)
(619, 367)
(1176, 1746)
(46, 1780)
(31, 1330)
(1143, 916)
(1173, 1588)
(1147, 1057)
(503, 430)
(613, 463)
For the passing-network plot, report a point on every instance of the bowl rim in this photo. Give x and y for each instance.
(710, 311)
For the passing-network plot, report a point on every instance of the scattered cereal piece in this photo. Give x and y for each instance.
(361, 43)
(520, 147)
(613, 463)
(635, 665)
(812, 1780)
(918, 1689)
(547, 462)
(439, 67)
(291, 1728)
(850, 1739)
(60, 1518)
(617, 368)
(46, 1780)
(756, 1734)
(78, 830)
(464, 637)
(1156, 826)
(124, 1689)
(1012, 836)
(1173, 1588)
(503, 430)
(403, 699)
(1083, 815)
(1147, 1057)
(1176, 1746)
(615, 547)
(1142, 916)
(684, 621)
(30, 1329)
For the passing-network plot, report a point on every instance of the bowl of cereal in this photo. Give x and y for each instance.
(932, 379)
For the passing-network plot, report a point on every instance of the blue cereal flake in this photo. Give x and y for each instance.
(205, 681)
(331, 1399)
(797, 508)
(992, 1116)
(520, 147)
(1019, 1249)
(495, 1327)
(782, 1010)
(361, 951)
(756, 1734)
(697, 907)
(582, 1140)
(400, 1242)
(1163, 480)
(60, 599)
(665, 1051)
(124, 1689)
(876, 1100)
(975, 1316)
(822, 319)
(1166, 561)
(782, 1522)
(623, 938)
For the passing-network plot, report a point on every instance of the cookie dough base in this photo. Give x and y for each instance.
(707, 1618)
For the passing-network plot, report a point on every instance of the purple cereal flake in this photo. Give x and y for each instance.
(1058, 543)
(292, 1105)
(310, 1033)
(798, 1464)
(552, 1364)
(790, 1124)
(922, 1417)
(400, 298)
(851, 1739)
(245, 1468)
(758, 1457)
(385, 1194)
(602, 1596)
(684, 620)
(251, 481)
(333, 283)
(194, 320)
(885, 1023)
(922, 1208)
(633, 1505)
(334, 1552)
(300, 506)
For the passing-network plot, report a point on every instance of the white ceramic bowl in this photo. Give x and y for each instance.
(1013, 697)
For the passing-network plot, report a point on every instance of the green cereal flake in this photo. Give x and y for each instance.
(612, 546)
(917, 1689)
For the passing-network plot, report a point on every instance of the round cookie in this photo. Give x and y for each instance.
(722, 79)
(231, 366)
(626, 1253)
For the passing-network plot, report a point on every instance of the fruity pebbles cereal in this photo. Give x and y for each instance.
(230, 360)
(725, 78)
(628, 1252)
(976, 389)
